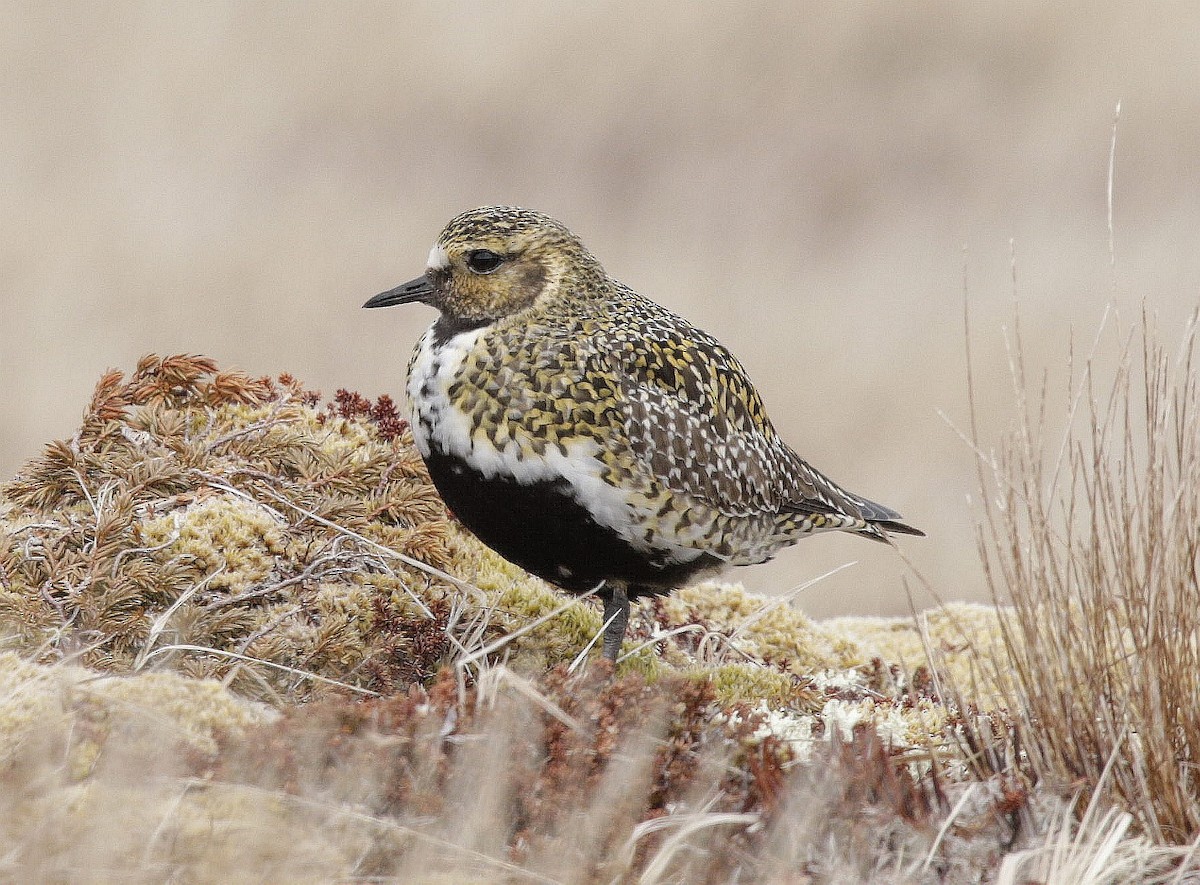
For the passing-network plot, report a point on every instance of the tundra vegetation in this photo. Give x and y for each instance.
(243, 640)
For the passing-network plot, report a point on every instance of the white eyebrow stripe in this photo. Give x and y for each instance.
(438, 259)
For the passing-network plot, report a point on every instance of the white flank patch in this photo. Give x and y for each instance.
(437, 424)
(438, 259)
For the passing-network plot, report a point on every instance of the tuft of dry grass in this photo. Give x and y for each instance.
(1094, 539)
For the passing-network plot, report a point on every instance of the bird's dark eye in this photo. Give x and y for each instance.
(483, 261)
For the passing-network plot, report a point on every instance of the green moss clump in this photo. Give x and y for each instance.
(760, 627)
(748, 683)
(964, 638)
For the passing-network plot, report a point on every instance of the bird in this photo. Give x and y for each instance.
(591, 436)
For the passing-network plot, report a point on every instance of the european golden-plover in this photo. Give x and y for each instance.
(591, 436)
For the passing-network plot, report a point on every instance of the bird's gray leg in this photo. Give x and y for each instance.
(616, 607)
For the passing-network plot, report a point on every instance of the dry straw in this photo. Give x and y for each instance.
(1093, 539)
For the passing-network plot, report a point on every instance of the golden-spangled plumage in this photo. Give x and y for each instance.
(630, 446)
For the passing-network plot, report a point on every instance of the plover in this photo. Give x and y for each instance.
(591, 436)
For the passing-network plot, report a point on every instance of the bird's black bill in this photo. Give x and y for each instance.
(414, 290)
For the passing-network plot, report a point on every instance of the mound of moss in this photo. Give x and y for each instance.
(199, 520)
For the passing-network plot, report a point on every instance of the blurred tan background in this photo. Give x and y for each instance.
(808, 181)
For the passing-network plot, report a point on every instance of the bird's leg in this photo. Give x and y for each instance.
(616, 617)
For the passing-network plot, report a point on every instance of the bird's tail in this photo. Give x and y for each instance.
(878, 530)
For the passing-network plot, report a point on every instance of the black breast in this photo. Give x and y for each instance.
(540, 527)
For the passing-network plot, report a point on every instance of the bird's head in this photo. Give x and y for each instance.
(494, 262)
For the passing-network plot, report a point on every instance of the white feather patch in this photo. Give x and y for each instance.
(438, 259)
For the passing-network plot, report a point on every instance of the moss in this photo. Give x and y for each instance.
(29, 695)
(36, 697)
(760, 627)
(206, 509)
(748, 683)
(203, 508)
(964, 639)
(236, 541)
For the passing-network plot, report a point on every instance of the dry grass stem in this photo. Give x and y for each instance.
(1094, 542)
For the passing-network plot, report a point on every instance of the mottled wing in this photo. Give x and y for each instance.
(819, 494)
(696, 422)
